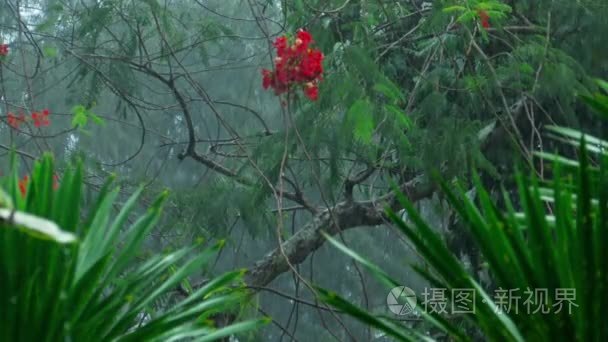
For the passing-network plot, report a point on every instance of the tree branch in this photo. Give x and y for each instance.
(351, 214)
(346, 215)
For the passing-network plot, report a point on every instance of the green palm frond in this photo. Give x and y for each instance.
(63, 277)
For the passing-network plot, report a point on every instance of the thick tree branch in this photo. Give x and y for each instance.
(351, 214)
(343, 216)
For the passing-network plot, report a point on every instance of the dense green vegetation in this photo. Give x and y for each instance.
(553, 246)
(271, 145)
(78, 282)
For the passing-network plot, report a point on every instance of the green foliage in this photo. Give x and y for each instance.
(555, 242)
(359, 117)
(82, 115)
(406, 88)
(468, 11)
(599, 101)
(69, 276)
(50, 51)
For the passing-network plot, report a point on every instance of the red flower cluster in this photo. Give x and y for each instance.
(23, 182)
(40, 118)
(3, 50)
(484, 18)
(296, 64)
(14, 121)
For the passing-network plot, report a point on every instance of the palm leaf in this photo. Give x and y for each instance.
(66, 278)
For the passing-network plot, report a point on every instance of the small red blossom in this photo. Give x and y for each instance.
(296, 64)
(41, 118)
(23, 185)
(3, 50)
(311, 91)
(24, 182)
(281, 45)
(303, 40)
(55, 182)
(14, 121)
(311, 65)
(266, 78)
(484, 18)
(305, 36)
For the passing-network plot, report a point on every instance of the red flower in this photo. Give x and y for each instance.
(296, 64)
(484, 18)
(311, 91)
(23, 185)
(311, 65)
(41, 119)
(55, 182)
(281, 45)
(14, 121)
(3, 49)
(266, 78)
(303, 39)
